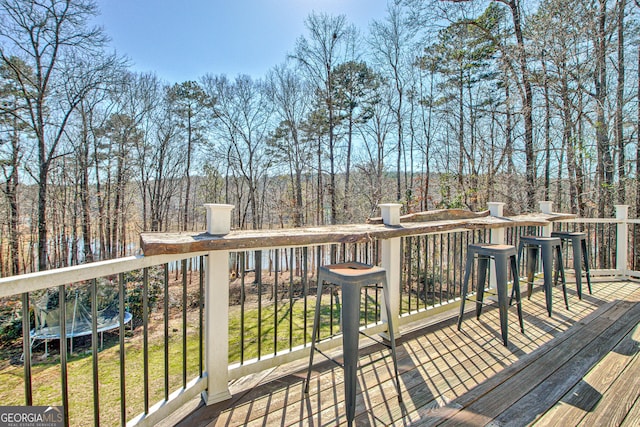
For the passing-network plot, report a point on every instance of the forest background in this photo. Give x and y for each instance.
(440, 104)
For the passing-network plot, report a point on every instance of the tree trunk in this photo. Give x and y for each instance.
(118, 204)
(74, 225)
(471, 155)
(332, 142)
(14, 236)
(460, 134)
(527, 106)
(622, 179)
(637, 226)
(187, 191)
(347, 174)
(605, 159)
(508, 147)
(569, 144)
(85, 207)
(379, 168)
(547, 132)
(11, 193)
(580, 180)
(319, 192)
(101, 205)
(427, 128)
(42, 216)
(400, 134)
(298, 219)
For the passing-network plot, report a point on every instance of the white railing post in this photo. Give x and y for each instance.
(497, 236)
(216, 307)
(622, 214)
(391, 262)
(546, 207)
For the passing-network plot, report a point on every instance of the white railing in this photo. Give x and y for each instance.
(620, 249)
(214, 383)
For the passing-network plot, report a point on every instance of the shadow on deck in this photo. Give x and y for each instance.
(579, 367)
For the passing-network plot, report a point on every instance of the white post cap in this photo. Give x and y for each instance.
(622, 211)
(546, 206)
(218, 218)
(390, 213)
(496, 208)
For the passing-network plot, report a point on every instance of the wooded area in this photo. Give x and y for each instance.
(441, 104)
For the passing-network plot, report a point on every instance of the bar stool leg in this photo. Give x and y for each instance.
(556, 271)
(483, 264)
(465, 286)
(350, 334)
(519, 263)
(385, 290)
(564, 279)
(314, 333)
(501, 285)
(520, 249)
(547, 267)
(577, 265)
(585, 255)
(532, 264)
(516, 290)
(515, 274)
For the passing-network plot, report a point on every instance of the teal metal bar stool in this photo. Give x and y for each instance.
(503, 256)
(578, 242)
(545, 246)
(351, 277)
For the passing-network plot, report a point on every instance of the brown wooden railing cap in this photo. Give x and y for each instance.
(192, 242)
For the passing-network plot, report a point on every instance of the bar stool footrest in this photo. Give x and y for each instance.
(488, 294)
(376, 340)
(329, 358)
(371, 362)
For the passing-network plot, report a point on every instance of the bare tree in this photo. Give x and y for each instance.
(242, 121)
(356, 94)
(12, 125)
(189, 103)
(390, 41)
(159, 157)
(527, 101)
(243, 114)
(54, 39)
(605, 168)
(620, 142)
(291, 98)
(155, 160)
(557, 39)
(375, 133)
(319, 54)
(425, 92)
(90, 119)
(637, 228)
(519, 67)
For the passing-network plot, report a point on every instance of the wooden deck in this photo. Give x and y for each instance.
(579, 367)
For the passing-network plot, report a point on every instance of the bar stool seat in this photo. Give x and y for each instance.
(351, 277)
(578, 242)
(546, 247)
(502, 255)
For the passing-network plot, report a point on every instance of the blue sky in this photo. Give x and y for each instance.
(183, 40)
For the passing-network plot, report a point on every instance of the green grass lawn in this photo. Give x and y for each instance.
(46, 374)
(46, 379)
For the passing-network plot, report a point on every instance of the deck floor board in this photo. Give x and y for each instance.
(582, 398)
(569, 369)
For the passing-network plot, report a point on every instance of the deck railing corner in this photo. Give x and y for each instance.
(622, 239)
(217, 309)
